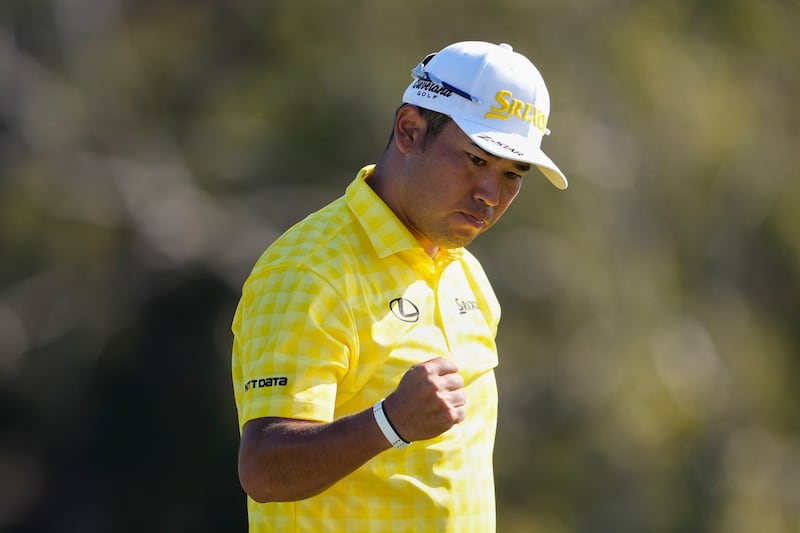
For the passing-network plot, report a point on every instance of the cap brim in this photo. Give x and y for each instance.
(514, 147)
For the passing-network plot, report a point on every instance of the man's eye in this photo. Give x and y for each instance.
(477, 160)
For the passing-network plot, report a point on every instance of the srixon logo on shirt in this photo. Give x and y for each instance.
(260, 383)
(466, 305)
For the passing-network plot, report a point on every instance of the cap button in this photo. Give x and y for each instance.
(506, 46)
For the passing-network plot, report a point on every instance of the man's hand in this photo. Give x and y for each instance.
(429, 400)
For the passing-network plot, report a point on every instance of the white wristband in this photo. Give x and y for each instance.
(386, 427)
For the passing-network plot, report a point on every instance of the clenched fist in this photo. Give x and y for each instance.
(429, 400)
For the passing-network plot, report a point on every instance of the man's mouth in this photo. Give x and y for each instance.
(474, 219)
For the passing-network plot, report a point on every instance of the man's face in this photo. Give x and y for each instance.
(454, 190)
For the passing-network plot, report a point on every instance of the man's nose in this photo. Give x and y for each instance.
(487, 188)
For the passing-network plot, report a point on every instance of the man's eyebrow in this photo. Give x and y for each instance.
(522, 167)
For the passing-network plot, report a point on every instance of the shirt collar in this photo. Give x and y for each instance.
(385, 231)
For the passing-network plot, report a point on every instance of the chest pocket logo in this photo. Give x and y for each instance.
(466, 305)
(404, 309)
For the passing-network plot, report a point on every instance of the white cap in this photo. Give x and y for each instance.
(495, 95)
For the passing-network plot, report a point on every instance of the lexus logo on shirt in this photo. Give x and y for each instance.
(404, 309)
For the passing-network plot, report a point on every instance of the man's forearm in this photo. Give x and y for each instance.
(289, 460)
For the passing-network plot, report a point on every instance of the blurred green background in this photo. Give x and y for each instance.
(150, 150)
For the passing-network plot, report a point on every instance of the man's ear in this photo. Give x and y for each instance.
(409, 128)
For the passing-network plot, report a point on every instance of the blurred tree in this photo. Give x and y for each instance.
(149, 151)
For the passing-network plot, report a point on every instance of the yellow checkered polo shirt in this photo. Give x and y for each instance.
(334, 313)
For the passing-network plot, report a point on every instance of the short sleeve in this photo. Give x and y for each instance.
(293, 335)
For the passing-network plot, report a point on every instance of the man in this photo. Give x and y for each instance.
(364, 343)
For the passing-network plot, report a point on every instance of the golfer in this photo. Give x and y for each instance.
(364, 341)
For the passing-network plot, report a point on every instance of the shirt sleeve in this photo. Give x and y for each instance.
(293, 336)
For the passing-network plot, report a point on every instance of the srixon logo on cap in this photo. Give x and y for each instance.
(512, 107)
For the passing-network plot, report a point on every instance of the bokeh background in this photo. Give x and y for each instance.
(151, 149)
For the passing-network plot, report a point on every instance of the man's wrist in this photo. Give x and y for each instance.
(387, 428)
